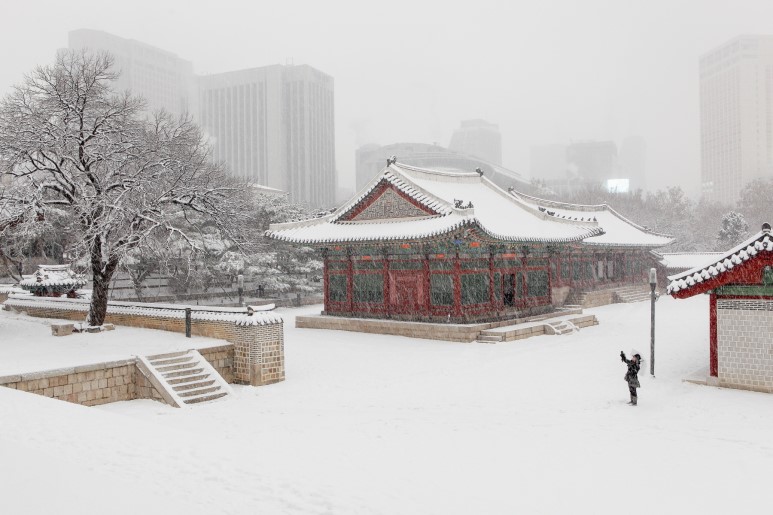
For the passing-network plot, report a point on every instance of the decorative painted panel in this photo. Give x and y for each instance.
(390, 205)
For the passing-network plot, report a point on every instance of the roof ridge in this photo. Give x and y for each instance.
(742, 252)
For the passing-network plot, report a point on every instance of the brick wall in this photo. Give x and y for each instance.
(89, 385)
(256, 357)
(745, 343)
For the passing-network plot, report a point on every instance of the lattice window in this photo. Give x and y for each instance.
(336, 288)
(369, 288)
(441, 289)
(475, 288)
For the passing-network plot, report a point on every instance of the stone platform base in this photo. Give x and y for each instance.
(428, 330)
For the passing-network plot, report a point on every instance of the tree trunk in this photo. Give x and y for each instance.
(99, 291)
(102, 273)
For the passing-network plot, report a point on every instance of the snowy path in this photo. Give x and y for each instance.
(383, 424)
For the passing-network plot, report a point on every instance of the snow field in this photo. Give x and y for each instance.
(384, 424)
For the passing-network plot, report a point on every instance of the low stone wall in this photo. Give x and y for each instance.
(258, 342)
(744, 345)
(101, 383)
(89, 385)
(448, 332)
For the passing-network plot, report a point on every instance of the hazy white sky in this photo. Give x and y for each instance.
(547, 71)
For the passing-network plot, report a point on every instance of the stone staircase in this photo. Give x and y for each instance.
(558, 324)
(561, 327)
(635, 293)
(183, 378)
(579, 299)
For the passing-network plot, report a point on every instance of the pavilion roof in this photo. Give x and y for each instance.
(454, 199)
(709, 274)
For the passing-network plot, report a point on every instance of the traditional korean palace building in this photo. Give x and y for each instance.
(740, 285)
(440, 245)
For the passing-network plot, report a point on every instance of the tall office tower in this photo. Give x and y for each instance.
(164, 80)
(736, 101)
(274, 125)
(478, 138)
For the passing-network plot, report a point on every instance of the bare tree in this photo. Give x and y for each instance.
(128, 181)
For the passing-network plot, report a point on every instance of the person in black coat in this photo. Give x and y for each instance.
(631, 376)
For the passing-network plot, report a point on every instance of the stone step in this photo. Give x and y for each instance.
(182, 373)
(195, 392)
(192, 385)
(177, 366)
(167, 355)
(183, 378)
(169, 361)
(205, 398)
(489, 338)
(187, 379)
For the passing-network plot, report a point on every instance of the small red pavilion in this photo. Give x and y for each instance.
(740, 285)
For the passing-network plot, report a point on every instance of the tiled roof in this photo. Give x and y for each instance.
(681, 261)
(493, 211)
(618, 230)
(726, 261)
(209, 313)
(505, 216)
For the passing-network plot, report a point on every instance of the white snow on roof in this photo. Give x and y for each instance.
(237, 315)
(496, 213)
(685, 260)
(618, 230)
(716, 266)
(53, 275)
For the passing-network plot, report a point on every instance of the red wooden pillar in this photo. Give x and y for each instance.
(713, 358)
(350, 283)
(325, 282)
(387, 281)
(427, 287)
(491, 298)
(457, 286)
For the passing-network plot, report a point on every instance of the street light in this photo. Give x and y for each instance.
(240, 282)
(653, 298)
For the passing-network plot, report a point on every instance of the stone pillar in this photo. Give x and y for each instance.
(259, 354)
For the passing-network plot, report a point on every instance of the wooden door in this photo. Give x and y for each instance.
(407, 292)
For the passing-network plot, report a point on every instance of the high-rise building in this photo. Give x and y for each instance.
(566, 169)
(274, 125)
(164, 80)
(736, 102)
(480, 139)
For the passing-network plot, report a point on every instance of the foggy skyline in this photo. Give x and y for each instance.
(555, 72)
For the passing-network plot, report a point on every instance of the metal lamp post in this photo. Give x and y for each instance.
(653, 298)
(240, 282)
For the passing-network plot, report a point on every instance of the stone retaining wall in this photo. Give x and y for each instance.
(113, 381)
(257, 354)
(89, 385)
(744, 345)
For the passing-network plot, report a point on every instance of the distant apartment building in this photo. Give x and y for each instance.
(565, 169)
(274, 125)
(736, 106)
(371, 159)
(478, 138)
(164, 80)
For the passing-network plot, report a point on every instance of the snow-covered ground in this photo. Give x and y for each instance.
(26, 345)
(382, 424)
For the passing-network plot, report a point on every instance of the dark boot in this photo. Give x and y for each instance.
(631, 401)
(634, 398)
